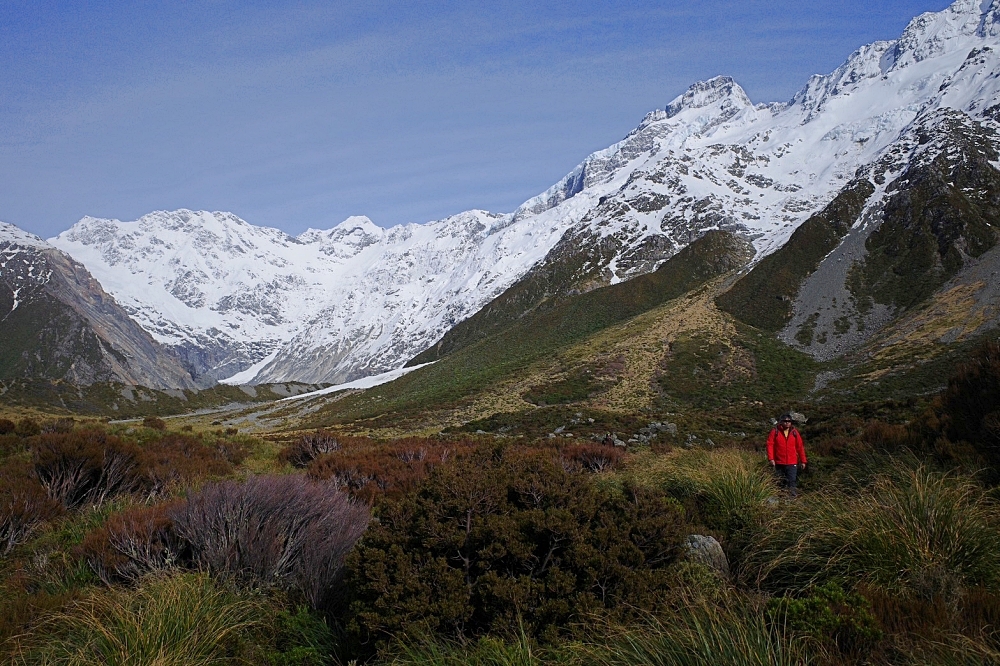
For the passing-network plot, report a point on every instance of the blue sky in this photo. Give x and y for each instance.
(299, 114)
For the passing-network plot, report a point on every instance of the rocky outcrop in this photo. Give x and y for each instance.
(59, 324)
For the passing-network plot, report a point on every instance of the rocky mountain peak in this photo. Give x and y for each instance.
(721, 92)
(11, 235)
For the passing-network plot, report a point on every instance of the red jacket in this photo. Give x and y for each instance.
(786, 450)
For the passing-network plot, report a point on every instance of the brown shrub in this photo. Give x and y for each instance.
(177, 458)
(590, 456)
(310, 446)
(59, 425)
(889, 437)
(233, 452)
(154, 423)
(86, 466)
(134, 543)
(24, 506)
(384, 468)
(285, 531)
(27, 428)
(7, 426)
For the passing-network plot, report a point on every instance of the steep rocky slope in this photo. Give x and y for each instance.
(58, 323)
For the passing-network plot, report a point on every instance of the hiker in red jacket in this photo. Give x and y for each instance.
(786, 452)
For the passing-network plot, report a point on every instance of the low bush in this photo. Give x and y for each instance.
(177, 458)
(368, 469)
(62, 425)
(134, 543)
(591, 457)
(24, 506)
(504, 540)
(308, 447)
(282, 531)
(27, 428)
(155, 423)
(86, 466)
(7, 427)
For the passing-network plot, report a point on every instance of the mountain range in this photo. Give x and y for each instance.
(865, 206)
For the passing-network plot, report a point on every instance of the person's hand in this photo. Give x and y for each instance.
(772, 462)
(802, 466)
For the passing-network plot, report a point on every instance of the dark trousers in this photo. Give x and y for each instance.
(788, 476)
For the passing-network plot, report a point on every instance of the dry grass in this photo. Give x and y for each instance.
(180, 620)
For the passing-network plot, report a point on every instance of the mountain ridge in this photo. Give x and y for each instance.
(711, 159)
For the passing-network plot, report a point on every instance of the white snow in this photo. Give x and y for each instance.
(363, 383)
(246, 376)
(357, 299)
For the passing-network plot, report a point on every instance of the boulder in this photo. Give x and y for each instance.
(707, 551)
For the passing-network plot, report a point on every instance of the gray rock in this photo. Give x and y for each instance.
(559, 429)
(798, 417)
(707, 551)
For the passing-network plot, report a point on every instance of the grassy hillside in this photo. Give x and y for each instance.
(763, 297)
(537, 335)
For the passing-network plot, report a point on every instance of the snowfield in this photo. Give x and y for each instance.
(253, 304)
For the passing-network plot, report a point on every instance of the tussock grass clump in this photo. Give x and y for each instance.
(730, 488)
(179, 620)
(487, 651)
(737, 632)
(915, 532)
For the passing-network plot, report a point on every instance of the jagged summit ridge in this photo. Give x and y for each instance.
(333, 305)
(12, 235)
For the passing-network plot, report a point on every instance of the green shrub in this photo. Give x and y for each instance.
(487, 651)
(503, 540)
(829, 614)
(971, 404)
(301, 638)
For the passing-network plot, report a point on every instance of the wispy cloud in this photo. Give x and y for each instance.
(300, 114)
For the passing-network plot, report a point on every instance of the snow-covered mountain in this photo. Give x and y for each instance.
(58, 324)
(335, 305)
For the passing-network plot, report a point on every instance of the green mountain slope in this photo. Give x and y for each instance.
(542, 332)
